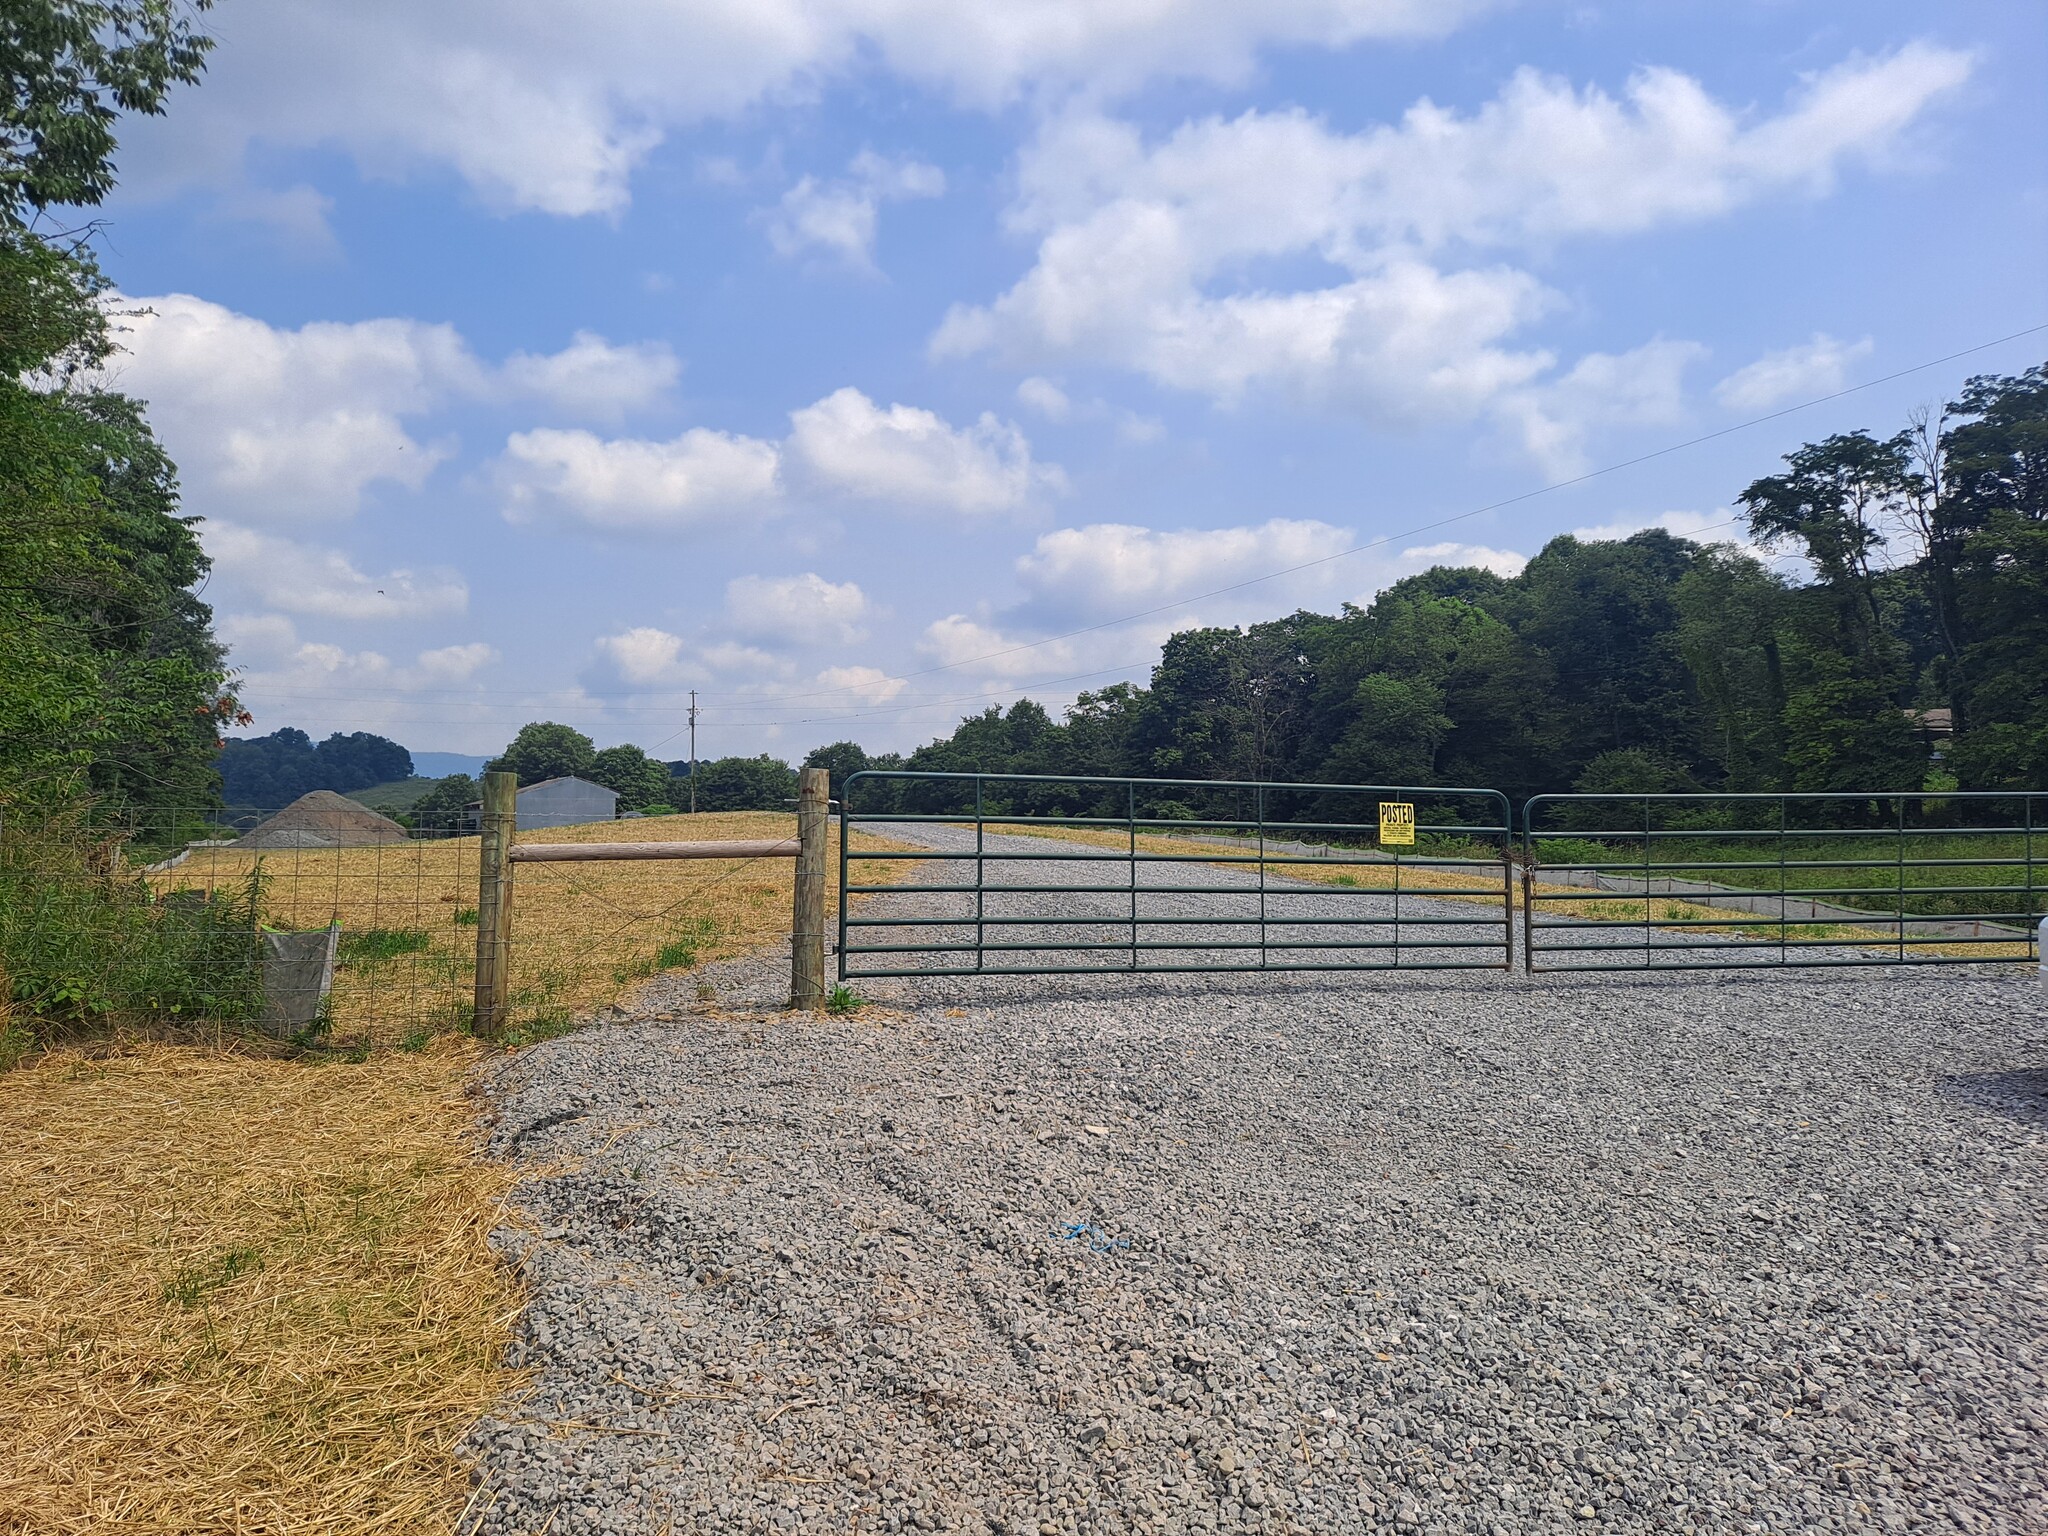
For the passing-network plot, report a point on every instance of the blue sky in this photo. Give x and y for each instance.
(861, 362)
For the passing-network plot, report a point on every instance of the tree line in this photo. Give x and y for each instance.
(113, 688)
(1647, 664)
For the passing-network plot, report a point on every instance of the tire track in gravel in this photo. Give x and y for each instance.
(1435, 1253)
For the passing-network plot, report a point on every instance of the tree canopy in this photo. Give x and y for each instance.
(274, 770)
(1646, 663)
(546, 749)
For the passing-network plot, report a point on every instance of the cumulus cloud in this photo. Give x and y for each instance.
(1819, 367)
(1109, 568)
(535, 115)
(592, 378)
(844, 446)
(867, 685)
(283, 425)
(281, 672)
(1045, 397)
(631, 483)
(1502, 562)
(1644, 387)
(1717, 525)
(1143, 248)
(643, 654)
(795, 610)
(648, 657)
(293, 576)
(959, 641)
(838, 217)
(910, 457)
(271, 424)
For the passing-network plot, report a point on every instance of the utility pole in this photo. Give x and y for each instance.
(693, 751)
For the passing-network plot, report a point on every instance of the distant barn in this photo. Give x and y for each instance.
(566, 802)
(323, 819)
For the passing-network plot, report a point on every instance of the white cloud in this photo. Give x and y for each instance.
(295, 577)
(868, 685)
(1502, 562)
(630, 483)
(644, 654)
(537, 114)
(1717, 525)
(274, 425)
(1147, 252)
(797, 610)
(282, 425)
(1044, 397)
(282, 674)
(651, 658)
(913, 458)
(1819, 367)
(592, 378)
(843, 446)
(957, 641)
(1113, 568)
(1645, 387)
(455, 663)
(839, 217)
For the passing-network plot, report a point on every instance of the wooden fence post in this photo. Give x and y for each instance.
(495, 827)
(807, 927)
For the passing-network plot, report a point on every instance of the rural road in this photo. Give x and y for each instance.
(1431, 1252)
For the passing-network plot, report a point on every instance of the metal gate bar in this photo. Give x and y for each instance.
(1284, 917)
(1701, 858)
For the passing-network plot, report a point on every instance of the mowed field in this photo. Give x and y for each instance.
(249, 1290)
(582, 934)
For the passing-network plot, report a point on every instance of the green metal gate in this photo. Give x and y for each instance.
(1040, 875)
(1633, 882)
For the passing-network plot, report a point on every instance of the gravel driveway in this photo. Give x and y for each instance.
(1425, 1252)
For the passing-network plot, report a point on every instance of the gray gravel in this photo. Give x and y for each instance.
(1433, 1252)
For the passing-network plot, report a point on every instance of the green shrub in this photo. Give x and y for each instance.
(85, 942)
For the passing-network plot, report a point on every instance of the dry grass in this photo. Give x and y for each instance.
(582, 934)
(244, 1294)
(240, 1295)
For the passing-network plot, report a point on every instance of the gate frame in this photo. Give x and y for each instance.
(1503, 830)
(2033, 824)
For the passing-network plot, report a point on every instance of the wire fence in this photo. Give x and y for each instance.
(109, 922)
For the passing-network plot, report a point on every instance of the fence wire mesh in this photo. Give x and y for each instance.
(114, 921)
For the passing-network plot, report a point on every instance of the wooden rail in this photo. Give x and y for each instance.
(580, 853)
(498, 853)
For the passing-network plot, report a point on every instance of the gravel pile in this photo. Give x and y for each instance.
(1431, 1252)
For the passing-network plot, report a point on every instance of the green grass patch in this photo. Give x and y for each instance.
(377, 944)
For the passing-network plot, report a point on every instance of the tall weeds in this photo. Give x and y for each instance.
(87, 945)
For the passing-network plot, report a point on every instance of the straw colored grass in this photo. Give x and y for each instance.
(583, 935)
(243, 1295)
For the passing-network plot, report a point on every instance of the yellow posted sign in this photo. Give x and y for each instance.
(1397, 822)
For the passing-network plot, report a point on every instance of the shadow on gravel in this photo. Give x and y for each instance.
(2021, 1094)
